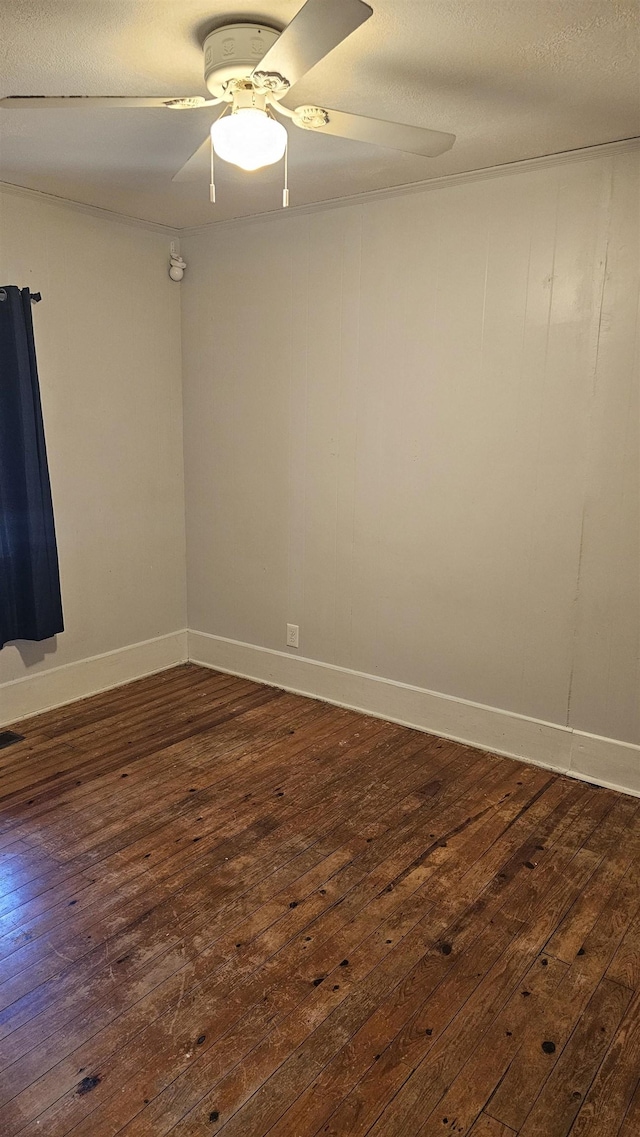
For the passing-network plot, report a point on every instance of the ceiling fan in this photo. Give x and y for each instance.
(251, 68)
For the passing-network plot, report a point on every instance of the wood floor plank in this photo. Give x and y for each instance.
(119, 947)
(147, 738)
(537, 1058)
(329, 901)
(208, 810)
(119, 865)
(631, 1124)
(141, 727)
(472, 1088)
(554, 1111)
(125, 946)
(439, 1058)
(625, 965)
(387, 934)
(229, 909)
(365, 1049)
(609, 1099)
(568, 938)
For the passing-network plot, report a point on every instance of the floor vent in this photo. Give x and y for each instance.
(7, 737)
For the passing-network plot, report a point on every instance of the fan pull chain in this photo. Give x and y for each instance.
(285, 192)
(212, 184)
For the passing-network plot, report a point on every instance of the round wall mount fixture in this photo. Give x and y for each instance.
(232, 52)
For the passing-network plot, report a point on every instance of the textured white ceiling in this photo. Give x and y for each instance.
(512, 78)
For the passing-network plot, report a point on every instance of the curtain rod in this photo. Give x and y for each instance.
(35, 297)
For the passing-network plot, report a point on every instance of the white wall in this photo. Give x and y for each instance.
(108, 345)
(411, 427)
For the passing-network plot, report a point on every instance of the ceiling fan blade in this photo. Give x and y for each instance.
(85, 102)
(378, 132)
(196, 165)
(314, 31)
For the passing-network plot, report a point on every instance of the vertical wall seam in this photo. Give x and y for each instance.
(543, 385)
(356, 404)
(525, 315)
(181, 354)
(604, 258)
(337, 446)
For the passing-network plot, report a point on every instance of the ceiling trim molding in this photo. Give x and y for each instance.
(580, 155)
(91, 210)
(583, 154)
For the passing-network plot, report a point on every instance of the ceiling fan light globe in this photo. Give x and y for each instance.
(248, 138)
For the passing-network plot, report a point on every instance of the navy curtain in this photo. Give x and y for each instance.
(30, 603)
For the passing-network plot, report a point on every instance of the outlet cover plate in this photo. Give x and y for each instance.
(293, 634)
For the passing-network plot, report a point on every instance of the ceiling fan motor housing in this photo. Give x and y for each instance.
(233, 51)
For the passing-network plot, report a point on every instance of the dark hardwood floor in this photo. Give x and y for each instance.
(226, 909)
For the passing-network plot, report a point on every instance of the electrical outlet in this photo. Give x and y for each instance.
(293, 632)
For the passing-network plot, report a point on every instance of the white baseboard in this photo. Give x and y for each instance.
(44, 690)
(603, 761)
